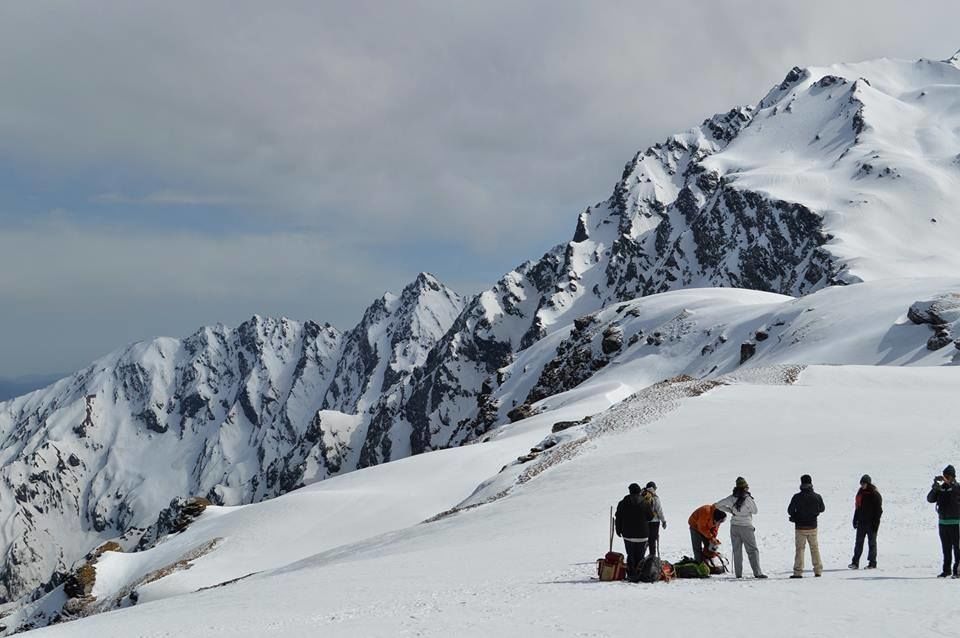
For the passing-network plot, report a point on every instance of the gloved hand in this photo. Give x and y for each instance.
(664, 523)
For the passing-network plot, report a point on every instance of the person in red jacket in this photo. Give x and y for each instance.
(705, 529)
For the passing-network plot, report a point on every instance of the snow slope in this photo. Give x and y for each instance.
(522, 565)
(662, 427)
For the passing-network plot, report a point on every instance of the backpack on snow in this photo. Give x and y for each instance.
(667, 572)
(611, 566)
(650, 570)
(689, 568)
(717, 564)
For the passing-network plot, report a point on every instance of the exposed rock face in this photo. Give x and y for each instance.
(942, 314)
(941, 310)
(174, 519)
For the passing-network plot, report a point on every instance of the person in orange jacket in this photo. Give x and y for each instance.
(705, 529)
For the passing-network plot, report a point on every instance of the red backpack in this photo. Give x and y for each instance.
(611, 566)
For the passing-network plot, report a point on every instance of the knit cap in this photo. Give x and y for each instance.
(865, 479)
(742, 483)
(634, 488)
(949, 471)
(806, 480)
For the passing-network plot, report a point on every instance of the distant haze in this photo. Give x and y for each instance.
(165, 165)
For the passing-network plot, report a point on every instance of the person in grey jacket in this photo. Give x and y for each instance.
(658, 520)
(741, 506)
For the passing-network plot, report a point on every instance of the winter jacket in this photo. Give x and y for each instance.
(805, 506)
(742, 516)
(702, 521)
(868, 508)
(947, 497)
(657, 509)
(633, 517)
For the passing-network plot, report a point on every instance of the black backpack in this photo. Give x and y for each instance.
(650, 570)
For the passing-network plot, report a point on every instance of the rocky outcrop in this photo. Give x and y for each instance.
(941, 314)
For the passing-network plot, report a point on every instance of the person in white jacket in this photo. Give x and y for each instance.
(741, 506)
(658, 520)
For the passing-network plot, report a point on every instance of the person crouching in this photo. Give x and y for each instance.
(705, 529)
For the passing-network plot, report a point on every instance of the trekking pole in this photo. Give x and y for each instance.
(611, 529)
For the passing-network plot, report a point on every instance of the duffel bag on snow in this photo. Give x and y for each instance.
(611, 567)
(689, 568)
(650, 570)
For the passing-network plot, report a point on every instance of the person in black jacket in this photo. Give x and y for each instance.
(633, 525)
(868, 507)
(946, 494)
(805, 506)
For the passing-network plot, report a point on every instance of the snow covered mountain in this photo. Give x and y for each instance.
(369, 553)
(234, 415)
(839, 175)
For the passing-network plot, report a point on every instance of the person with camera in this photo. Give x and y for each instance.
(868, 507)
(945, 492)
(741, 506)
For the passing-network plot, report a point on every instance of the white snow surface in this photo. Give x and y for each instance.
(345, 558)
(353, 555)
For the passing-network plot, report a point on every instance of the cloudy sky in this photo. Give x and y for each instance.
(165, 165)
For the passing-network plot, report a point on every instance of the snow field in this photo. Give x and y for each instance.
(523, 565)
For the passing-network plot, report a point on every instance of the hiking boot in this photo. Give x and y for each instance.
(872, 566)
(761, 576)
(796, 576)
(943, 574)
(853, 566)
(818, 575)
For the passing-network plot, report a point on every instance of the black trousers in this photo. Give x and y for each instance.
(870, 533)
(653, 538)
(635, 552)
(950, 542)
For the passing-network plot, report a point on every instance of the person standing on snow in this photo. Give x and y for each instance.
(653, 544)
(705, 529)
(741, 506)
(946, 494)
(633, 525)
(805, 506)
(866, 520)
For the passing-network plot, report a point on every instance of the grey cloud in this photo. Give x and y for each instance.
(167, 198)
(481, 127)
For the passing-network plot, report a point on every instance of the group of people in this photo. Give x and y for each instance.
(639, 518)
